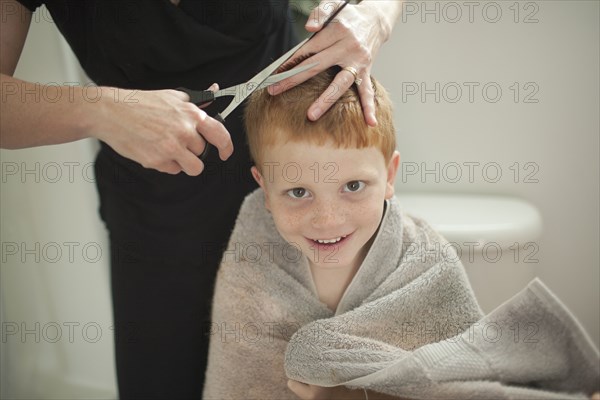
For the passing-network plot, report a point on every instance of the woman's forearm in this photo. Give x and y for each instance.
(35, 114)
(159, 129)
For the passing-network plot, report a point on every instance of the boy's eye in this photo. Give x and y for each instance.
(354, 186)
(298, 193)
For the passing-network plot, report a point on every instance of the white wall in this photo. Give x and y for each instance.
(56, 318)
(558, 136)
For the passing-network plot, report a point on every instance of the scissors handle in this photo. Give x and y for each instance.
(198, 97)
(208, 146)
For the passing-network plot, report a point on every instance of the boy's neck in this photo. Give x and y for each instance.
(331, 282)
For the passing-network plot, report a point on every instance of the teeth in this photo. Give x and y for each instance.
(330, 240)
(326, 241)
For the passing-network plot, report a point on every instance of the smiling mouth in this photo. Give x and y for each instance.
(330, 241)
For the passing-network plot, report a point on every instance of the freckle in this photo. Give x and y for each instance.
(293, 219)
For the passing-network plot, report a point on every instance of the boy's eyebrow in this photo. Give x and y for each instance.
(365, 170)
(365, 173)
(329, 176)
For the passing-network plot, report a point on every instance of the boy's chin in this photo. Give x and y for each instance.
(330, 262)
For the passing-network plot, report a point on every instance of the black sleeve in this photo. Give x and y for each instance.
(31, 4)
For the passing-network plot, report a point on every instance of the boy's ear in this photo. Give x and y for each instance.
(257, 177)
(391, 174)
(261, 182)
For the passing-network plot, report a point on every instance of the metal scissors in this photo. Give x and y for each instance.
(200, 97)
(259, 81)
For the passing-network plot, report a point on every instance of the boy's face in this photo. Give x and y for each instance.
(327, 201)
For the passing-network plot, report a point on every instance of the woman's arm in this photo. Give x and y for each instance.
(158, 129)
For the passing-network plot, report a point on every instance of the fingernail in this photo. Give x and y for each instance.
(311, 23)
(226, 157)
(374, 119)
(316, 113)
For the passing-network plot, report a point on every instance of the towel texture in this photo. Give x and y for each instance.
(407, 325)
(411, 290)
(530, 347)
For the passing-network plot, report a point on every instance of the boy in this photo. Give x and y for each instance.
(324, 238)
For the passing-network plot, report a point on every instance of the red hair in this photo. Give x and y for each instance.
(278, 119)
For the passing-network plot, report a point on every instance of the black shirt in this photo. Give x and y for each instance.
(154, 44)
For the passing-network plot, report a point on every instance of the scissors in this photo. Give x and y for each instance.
(199, 97)
(259, 81)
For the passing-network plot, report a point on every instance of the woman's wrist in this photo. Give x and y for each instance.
(100, 104)
(97, 104)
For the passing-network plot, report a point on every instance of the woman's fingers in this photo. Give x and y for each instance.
(342, 82)
(311, 52)
(162, 131)
(320, 14)
(296, 80)
(324, 50)
(213, 88)
(367, 97)
(169, 167)
(348, 41)
(197, 144)
(183, 96)
(190, 163)
(302, 390)
(314, 51)
(215, 133)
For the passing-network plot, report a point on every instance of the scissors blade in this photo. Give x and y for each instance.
(256, 81)
(233, 90)
(284, 75)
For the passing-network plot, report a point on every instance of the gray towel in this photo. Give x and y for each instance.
(410, 290)
(530, 347)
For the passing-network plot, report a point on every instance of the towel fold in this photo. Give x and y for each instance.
(410, 290)
(530, 347)
(407, 325)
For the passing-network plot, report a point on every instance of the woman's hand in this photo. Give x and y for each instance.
(158, 129)
(311, 392)
(352, 39)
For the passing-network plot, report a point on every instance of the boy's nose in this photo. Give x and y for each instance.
(328, 215)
